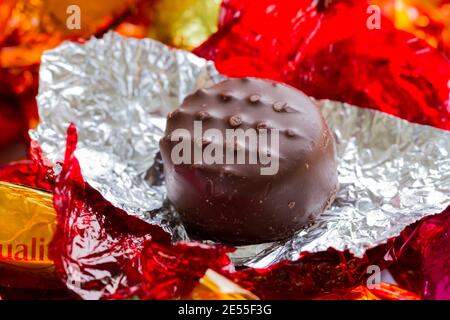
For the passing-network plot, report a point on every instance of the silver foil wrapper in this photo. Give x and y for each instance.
(117, 92)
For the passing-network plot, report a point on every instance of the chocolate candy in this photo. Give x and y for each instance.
(248, 161)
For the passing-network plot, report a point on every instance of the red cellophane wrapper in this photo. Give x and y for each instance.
(101, 252)
(173, 271)
(96, 247)
(11, 124)
(37, 172)
(424, 263)
(333, 50)
(418, 259)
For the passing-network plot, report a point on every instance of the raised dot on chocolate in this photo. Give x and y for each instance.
(290, 133)
(291, 204)
(254, 98)
(203, 115)
(235, 121)
(279, 106)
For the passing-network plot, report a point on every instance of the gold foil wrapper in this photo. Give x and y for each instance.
(184, 23)
(27, 224)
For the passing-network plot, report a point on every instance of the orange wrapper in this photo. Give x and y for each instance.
(27, 28)
(427, 19)
(214, 286)
(27, 224)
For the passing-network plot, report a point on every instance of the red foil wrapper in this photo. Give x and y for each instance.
(333, 50)
(37, 172)
(101, 252)
(418, 259)
(382, 291)
(11, 124)
(172, 272)
(96, 246)
(424, 261)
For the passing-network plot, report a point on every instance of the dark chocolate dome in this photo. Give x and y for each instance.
(235, 203)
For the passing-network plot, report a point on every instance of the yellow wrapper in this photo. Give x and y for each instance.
(214, 286)
(184, 23)
(27, 224)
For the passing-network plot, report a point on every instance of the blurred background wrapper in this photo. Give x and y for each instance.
(28, 27)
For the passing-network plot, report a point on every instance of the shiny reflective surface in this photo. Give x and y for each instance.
(213, 286)
(184, 23)
(337, 50)
(116, 99)
(27, 223)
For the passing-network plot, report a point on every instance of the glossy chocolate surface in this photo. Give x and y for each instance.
(235, 203)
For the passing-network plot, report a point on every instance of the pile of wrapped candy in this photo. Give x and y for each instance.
(97, 210)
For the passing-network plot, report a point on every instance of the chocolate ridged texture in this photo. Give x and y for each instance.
(235, 203)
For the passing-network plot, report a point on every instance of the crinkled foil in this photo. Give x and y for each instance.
(118, 90)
